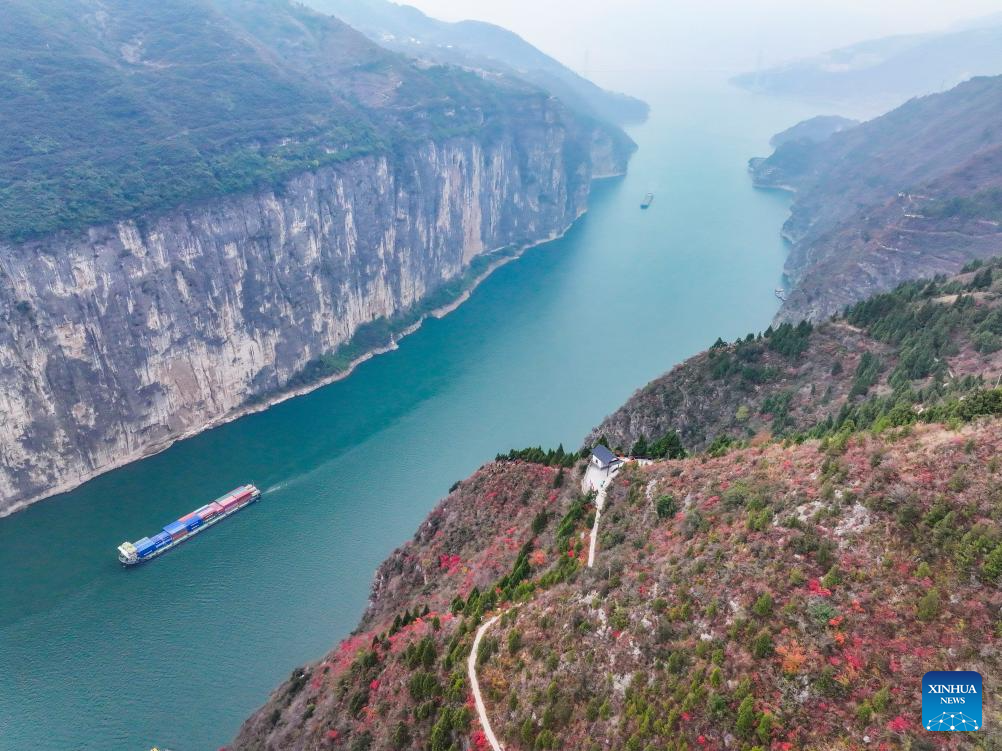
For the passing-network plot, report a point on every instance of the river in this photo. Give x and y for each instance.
(178, 652)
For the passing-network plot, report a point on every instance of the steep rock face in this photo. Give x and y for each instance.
(913, 193)
(119, 340)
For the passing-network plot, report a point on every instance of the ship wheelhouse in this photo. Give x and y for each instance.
(127, 553)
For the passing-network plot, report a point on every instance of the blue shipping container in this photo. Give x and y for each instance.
(162, 540)
(144, 546)
(194, 523)
(174, 527)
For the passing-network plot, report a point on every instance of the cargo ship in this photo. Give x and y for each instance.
(131, 553)
(648, 200)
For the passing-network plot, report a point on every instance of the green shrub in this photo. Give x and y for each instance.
(763, 605)
(880, 700)
(666, 506)
(745, 722)
(761, 645)
(764, 729)
(991, 569)
(929, 605)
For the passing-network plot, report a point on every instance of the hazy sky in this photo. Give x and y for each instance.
(684, 34)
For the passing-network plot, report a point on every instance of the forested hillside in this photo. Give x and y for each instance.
(113, 109)
(786, 588)
(914, 353)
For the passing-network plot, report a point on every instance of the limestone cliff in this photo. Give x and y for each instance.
(119, 339)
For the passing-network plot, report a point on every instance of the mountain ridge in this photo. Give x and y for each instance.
(773, 590)
(481, 45)
(909, 194)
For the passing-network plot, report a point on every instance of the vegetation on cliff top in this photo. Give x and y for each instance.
(917, 353)
(114, 109)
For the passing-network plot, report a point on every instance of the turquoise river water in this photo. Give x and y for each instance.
(178, 652)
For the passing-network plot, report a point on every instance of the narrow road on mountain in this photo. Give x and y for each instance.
(599, 504)
(592, 481)
(598, 480)
(471, 670)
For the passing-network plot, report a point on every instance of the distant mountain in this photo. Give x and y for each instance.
(886, 72)
(915, 192)
(480, 45)
(814, 130)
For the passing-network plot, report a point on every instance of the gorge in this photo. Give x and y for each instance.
(122, 336)
(208, 207)
(123, 340)
(539, 353)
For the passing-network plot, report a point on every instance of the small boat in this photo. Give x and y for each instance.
(648, 200)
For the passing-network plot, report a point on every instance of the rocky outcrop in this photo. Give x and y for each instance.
(118, 340)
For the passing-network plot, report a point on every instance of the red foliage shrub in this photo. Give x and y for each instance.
(898, 725)
(814, 586)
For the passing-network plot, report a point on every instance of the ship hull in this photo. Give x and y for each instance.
(136, 560)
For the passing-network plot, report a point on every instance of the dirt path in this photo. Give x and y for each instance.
(599, 505)
(471, 670)
(601, 485)
(596, 479)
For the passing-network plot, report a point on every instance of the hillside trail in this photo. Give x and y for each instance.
(599, 481)
(471, 670)
(594, 479)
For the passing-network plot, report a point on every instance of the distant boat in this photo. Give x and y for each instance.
(648, 200)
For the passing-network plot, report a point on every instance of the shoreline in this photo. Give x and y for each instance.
(282, 396)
